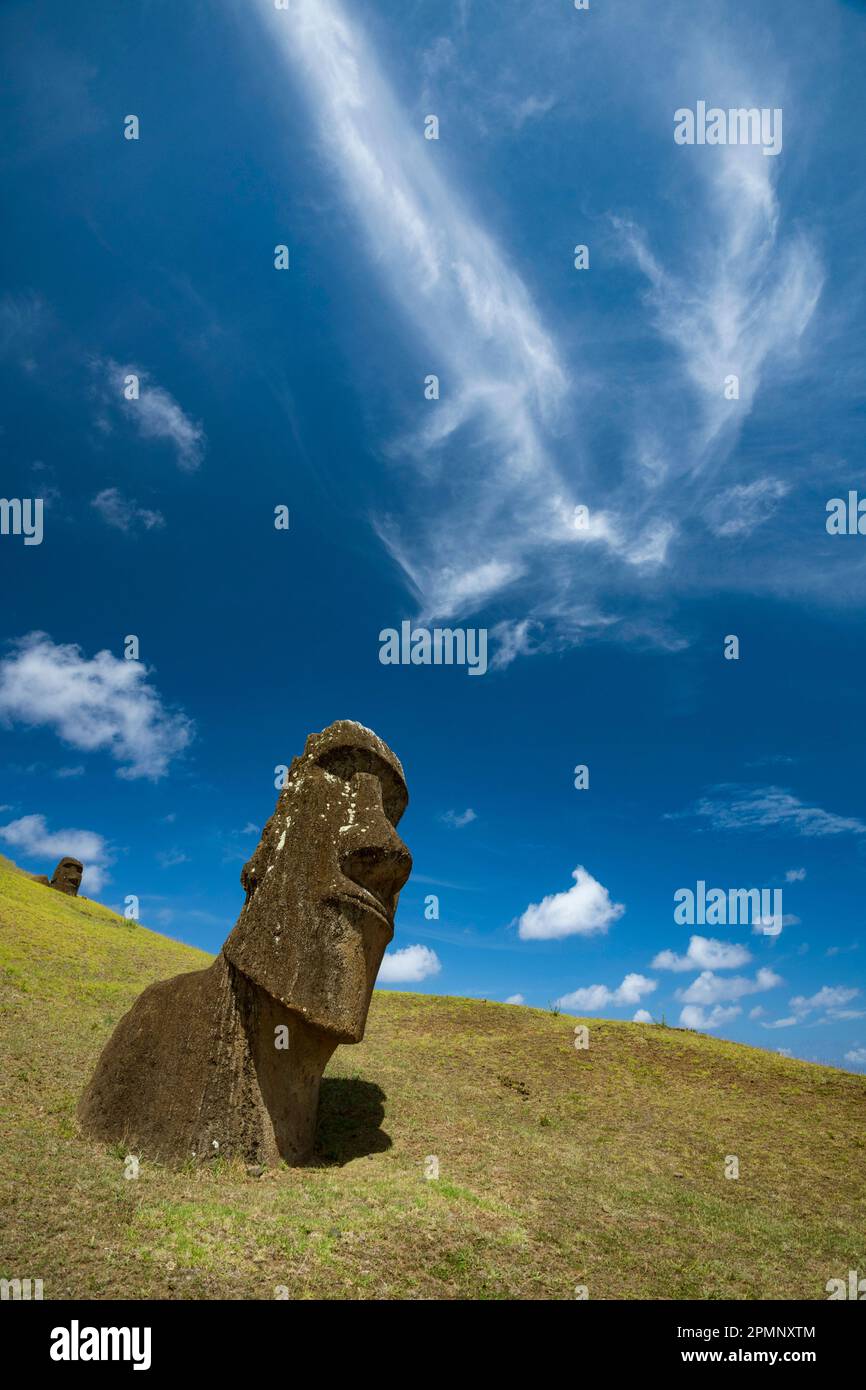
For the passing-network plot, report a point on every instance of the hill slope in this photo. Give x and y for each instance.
(602, 1167)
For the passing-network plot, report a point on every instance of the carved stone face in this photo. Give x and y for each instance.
(67, 876)
(323, 884)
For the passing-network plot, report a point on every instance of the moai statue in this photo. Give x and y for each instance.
(67, 877)
(227, 1061)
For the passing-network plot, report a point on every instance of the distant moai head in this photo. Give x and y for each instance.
(67, 877)
(323, 883)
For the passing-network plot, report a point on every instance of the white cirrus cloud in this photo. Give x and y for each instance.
(531, 106)
(583, 910)
(704, 953)
(512, 444)
(738, 510)
(795, 875)
(99, 703)
(732, 807)
(123, 513)
(504, 380)
(591, 998)
(857, 1055)
(409, 965)
(24, 319)
(170, 858)
(31, 837)
(510, 640)
(155, 415)
(456, 820)
(746, 294)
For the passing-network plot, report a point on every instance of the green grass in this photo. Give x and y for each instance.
(602, 1167)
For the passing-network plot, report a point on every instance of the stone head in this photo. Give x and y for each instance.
(67, 876)
(323, 883)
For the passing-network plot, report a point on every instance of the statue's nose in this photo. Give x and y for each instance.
(372, 853)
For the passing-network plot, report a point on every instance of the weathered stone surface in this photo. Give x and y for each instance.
(41, 878)
(228, 1060)
(67, 877)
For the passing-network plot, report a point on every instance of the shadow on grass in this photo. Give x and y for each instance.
(350, 1115)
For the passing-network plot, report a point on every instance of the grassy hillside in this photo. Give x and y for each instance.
(557, 1167)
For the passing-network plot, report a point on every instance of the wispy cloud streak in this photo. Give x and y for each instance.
(483, 452)
(484, 517)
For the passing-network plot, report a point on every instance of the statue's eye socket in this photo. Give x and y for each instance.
(347, 762)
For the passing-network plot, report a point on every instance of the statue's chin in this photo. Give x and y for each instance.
(328, 980)
(344, 1018)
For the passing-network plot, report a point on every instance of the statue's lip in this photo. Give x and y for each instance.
(368, 901)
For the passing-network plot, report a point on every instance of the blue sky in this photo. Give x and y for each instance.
(559, 387)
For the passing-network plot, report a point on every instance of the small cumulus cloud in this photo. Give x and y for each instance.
(594, 997)
(31, 837)
(768, 926)
(704, 953)
(833, 998)
(694, 1016)
(456, 820)
(583, 910)
(99, 703)
(710, 988)
(409, 965)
